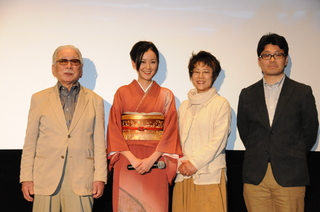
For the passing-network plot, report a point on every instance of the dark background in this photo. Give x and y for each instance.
(11, 199)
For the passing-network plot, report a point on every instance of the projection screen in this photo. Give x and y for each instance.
(105, 31)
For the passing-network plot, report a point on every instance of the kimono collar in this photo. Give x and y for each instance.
(145, 90)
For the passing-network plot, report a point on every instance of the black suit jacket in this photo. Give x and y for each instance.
(286, 143)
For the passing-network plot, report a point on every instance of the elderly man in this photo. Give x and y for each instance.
(64, 155)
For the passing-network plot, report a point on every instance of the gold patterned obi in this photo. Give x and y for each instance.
(142, 126)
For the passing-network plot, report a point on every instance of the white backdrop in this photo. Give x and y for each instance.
(106, 30)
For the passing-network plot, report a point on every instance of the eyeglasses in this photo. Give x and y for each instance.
(204, 73)
(73, 62)
(275, 56)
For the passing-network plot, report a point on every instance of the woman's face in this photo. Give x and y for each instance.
(202, 77)
(148, 67)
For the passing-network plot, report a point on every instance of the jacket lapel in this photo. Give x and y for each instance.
(285, 93)
(55, 104)
(81, 105)
(259, 97)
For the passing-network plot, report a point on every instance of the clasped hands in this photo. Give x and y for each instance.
(186, 168)
(142, 166)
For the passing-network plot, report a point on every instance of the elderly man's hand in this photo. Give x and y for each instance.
(98, 188)
(27, 190)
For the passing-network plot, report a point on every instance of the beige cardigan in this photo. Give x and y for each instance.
(204, 121)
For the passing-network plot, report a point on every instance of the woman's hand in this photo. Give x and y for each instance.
(144, 166)
(187, 168)
(147, 163)
(135, 162)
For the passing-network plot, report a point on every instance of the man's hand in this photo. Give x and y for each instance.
(97, 189)
(27, 190)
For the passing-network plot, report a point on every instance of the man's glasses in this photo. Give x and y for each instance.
(275, 56)
(73, 62)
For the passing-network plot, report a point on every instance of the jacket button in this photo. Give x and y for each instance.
(271, 132)
(266, 152)
(69, 136)
(62, 157)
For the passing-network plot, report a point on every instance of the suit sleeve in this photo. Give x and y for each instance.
(100, 160)
(241, 118)
(29, 147)
(309, 122)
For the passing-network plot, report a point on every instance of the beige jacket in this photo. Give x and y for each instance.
(48, 138)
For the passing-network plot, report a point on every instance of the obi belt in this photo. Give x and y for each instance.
(142, 126)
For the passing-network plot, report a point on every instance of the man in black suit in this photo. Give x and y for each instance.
(278, 123)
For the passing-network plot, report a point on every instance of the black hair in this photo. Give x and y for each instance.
(274, 39)
(139, 49)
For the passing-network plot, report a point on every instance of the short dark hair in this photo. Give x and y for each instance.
(274, 39)
(208, 59)
(139, 49)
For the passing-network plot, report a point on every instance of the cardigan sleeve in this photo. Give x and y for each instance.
(220, 129)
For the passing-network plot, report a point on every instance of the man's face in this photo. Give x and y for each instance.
(67, 74)
(272, 67)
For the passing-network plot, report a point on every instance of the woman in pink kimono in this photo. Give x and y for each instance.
(143, 130)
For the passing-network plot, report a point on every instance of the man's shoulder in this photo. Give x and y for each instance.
(90, 92)
(253, 86)
(44, 92)
(297, 84)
